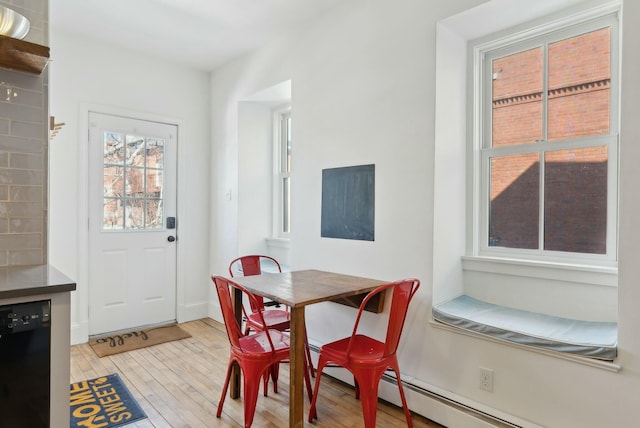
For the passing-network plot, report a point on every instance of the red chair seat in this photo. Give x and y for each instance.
(276, 319)
(364, 350)
(258, 344)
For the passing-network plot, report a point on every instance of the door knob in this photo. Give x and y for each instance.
(171, 238)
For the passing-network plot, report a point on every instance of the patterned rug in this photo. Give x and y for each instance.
(122, 342)
(103, 402)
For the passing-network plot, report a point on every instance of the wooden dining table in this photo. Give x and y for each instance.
(297, 290)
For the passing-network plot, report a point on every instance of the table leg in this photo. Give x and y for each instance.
(236, 373)
(296, 387)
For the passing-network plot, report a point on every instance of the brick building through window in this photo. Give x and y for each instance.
(559, 91)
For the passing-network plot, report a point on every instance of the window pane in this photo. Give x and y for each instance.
(514, 204)
(112, 214)
(576, 200)
(154, 183)
(579, 86)
(154, 216)
(135, 150)
(287, 143)
(286, 205)
(113, 148)
(113, 180)
(134, 182)
(134, 214)
(155, 153)
(517, 98)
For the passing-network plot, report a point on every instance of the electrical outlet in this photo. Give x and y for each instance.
(486, 379)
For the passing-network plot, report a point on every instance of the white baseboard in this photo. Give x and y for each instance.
(79, 333)
(443, 407)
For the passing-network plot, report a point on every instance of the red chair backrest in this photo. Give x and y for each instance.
(251, 266)
(402, 293)
(234, 332)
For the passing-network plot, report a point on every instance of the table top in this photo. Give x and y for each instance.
(305, 287)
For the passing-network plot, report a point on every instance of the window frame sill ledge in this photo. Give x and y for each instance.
(584, 274)
(278, 242)
(599, 364)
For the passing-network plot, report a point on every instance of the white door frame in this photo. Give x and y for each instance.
(80, 333)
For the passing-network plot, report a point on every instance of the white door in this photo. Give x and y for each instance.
(132, 227)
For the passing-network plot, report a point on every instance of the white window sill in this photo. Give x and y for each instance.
(584, 274)
(278, 242)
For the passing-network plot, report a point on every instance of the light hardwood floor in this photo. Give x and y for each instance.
(178, 384)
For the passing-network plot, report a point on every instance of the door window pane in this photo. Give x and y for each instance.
(134, 182)
(113, 148)
(113, 211)
(113, 180)
(153, 217)
(154, 183)
(134, 214)
(514, 204)
(155, 153)
(135, 150)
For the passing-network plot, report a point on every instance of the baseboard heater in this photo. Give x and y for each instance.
(452, 403)
(479, 414)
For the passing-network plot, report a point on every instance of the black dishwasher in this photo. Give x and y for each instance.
(25, 361)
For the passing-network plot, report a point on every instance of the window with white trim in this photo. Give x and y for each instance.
(545, 143)
(282, 179)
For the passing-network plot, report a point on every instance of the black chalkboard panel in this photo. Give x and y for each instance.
(348, 202)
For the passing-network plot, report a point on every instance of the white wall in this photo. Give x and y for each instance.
(88, 72)
(364, 91)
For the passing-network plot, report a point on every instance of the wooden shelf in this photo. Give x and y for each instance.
(23, 56)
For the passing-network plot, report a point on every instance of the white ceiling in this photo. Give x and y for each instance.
(202, 34)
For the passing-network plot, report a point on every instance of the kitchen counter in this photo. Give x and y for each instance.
(24, 281)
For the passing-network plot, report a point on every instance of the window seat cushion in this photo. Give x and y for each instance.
(584, 338)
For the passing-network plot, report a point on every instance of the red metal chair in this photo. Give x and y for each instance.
(367, 358)
(254, 354)
(277, 319)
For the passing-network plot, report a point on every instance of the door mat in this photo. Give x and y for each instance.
(116, 343)
(103, 402)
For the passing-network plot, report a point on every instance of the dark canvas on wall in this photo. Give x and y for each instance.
(348, 202)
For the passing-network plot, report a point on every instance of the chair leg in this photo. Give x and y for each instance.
(265, 383)
(275, 371)
(313, 414)
(224, 389)
(307, 382)
(407, 413)
(250, 399)
(251, 386)
(368, 382)
(308, 355)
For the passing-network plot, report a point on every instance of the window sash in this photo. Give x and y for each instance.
(484, 55)
(282, 176)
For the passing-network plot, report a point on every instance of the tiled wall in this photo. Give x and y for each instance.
(24, 119)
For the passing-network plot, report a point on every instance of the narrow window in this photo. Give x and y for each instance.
(282, 188)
